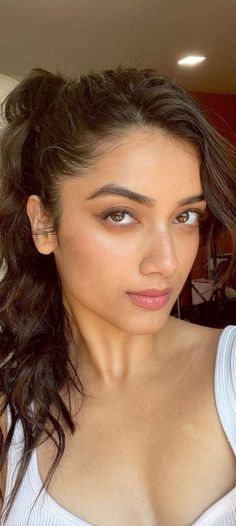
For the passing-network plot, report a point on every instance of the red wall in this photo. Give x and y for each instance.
(221, 111)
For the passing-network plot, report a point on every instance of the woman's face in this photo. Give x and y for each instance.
(110, 243)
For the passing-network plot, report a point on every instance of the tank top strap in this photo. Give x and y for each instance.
(225, 383)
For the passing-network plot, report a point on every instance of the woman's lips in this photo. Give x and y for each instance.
(151, 299)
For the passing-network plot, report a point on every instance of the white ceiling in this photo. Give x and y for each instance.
(76, 36)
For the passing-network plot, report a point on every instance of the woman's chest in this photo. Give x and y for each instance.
(157, 462)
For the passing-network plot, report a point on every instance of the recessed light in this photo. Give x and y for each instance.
(191, 60)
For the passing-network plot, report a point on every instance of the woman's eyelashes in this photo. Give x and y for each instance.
(119, 216)
(190, 217)
(123, 218)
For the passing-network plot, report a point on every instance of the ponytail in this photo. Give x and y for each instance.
(34, 357)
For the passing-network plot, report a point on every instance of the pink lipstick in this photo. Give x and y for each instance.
(152, 299)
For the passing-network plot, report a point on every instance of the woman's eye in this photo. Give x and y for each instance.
(121, 217)
(190, 217)
(124, 218)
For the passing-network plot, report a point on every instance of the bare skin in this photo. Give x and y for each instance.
(149, 448)
(152, 453)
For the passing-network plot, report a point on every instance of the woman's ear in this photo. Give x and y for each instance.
(41, 226)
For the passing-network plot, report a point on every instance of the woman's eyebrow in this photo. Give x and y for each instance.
(111, 189)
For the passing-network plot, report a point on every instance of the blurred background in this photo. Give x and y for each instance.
(78, 36)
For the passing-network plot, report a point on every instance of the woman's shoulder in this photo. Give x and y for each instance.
(195, 336)
(211, 349)
(210, 338)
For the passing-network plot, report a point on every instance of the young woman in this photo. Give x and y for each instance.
(126, 414)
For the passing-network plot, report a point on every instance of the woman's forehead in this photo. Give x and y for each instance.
(142, 161)
(151, 137)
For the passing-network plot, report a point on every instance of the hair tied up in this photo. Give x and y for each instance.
(30, 98)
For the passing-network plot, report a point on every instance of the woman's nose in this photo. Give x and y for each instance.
(160, 256)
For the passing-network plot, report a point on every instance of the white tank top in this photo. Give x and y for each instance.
(47, 512)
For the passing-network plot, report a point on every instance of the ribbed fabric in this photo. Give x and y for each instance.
(223, 512)
(47, 512)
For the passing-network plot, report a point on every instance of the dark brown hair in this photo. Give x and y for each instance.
(53, 126)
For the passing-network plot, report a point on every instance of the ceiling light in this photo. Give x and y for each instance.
(191, 60)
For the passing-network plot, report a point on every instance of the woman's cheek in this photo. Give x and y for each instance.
(186, 251)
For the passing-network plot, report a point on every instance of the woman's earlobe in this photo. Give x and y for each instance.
(44, 236)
